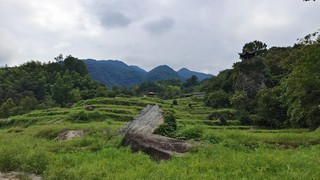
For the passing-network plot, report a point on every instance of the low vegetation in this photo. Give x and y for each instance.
(258, 120)
(29, 144)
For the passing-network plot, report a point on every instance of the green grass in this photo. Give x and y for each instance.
(28, 144)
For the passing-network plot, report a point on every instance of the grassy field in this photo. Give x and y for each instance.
(231, 151)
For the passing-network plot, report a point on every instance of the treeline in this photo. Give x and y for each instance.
(278, 88)
(164, 89)
(36, 85)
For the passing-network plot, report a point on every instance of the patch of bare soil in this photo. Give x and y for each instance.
(68, 134)
(18, 176)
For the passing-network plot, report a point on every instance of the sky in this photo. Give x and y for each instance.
(201, 35)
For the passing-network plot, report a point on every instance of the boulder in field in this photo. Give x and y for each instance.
(158, 147)
(146, 122)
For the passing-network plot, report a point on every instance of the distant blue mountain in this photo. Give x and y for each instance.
(186, 74)
(114, 72)
(163, 72)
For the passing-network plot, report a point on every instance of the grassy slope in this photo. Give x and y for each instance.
(27, 144)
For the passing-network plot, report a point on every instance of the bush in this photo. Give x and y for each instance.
(9, 160)
(83, 116)
(48, 133)
(191, 133)
(169, 126)
(174, 102)
(244, 118)
(222, 115)
(36, 162)
(217, 99)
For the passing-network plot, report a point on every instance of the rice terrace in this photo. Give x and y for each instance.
(162, 89)
(28, 144)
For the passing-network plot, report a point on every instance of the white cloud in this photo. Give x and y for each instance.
(62, 45)
(200, 35)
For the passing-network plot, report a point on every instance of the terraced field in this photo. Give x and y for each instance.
(225, 150)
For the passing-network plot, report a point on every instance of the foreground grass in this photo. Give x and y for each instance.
(27, 144)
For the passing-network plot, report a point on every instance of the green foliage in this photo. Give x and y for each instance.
(250, 153)
(9, 160)
(168, 127)
(217, 99)
(36, 85)
(223, 81)
(222, 115)
(174, 102)
(240, 101)
(7, 108)
(195, 133)
(85, 116)
(255, 46)
(303, 86)
(36, 162)
(271, 111)
(74, 64)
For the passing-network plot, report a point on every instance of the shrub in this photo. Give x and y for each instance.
(83, 116)
(169, 126)
(225, 115)
(174, 102)
(217, 99)
(36, 162)
(9, 160)
(48, 133)
(191, 133)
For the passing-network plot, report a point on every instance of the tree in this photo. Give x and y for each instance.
(61, 90)
(74, 64)
(271, 110)
(192, 81)
(28, 103)
(7, 108)
(101, 91)
(303, 84)
(255, 46)
(59, 58)
(217, 99)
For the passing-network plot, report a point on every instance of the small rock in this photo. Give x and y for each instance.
(67, 134)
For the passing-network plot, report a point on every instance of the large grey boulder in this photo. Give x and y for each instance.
(139, 135)
(146, 122)
(158, 147)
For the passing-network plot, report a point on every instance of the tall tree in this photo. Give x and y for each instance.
(255, 46)
(303, 88)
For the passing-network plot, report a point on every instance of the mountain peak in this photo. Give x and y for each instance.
(115, 72)
(186, 74)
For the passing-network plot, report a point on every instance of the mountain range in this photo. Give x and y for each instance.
(115, 72)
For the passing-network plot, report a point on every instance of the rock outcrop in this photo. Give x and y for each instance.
(158, 147)
(139, 135)
(250, 83)
(146, 122)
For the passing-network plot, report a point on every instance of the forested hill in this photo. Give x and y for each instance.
(114, 72)
(277, 88)
(36, 85)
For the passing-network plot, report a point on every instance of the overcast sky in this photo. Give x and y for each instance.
(202, 35)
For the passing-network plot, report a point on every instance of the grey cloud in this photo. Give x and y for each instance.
(111, 19)
(159, 26)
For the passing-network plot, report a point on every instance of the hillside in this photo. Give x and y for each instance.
(186, 73)
(30, 144)
(114, 72)
(163, 72)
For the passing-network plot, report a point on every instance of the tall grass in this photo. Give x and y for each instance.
(28, 144)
